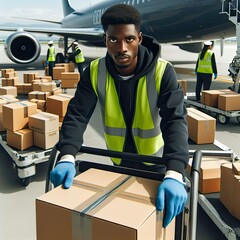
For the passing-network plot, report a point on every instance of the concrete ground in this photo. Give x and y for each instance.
(17, 203)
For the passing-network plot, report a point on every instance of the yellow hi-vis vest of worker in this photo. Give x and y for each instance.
(79, 57)
(146, 122)
(205, 64)
(51, 55)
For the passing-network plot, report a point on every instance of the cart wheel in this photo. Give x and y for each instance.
(238, 119)
(223, 119)
(26, 181)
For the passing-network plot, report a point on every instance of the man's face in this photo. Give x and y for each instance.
(122, 41)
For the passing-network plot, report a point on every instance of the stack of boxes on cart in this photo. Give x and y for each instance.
(35, 120)
(225, 99)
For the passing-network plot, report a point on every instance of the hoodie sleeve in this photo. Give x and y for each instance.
(79, 112)
(173, 124)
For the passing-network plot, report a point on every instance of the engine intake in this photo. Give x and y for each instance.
(22, 47)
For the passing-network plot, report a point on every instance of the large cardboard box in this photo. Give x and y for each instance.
(15, 115)
(44, 122)
(229, 102)
(10, 81)
(201, 127)
(102, 205)
(41, 104)
(8, 90)
(210, 97)
(38, 95)
(1, 122)
(230, 190)
(69, 83)
(6, 71)
(57, 72)
(48, 87)
(57, 104)
(24, 88)
(21, 139)
(45, 140)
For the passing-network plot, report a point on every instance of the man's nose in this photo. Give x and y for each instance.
(122, 46)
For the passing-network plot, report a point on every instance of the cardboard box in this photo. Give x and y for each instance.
(29, 77)
(210, 174)
(1, 123)
(57, 72)
(70, 76)
(56, 91)
(10, 81)
(15, 115)
(47, 78)
(44, 122)
(38, 95)
(41, 104)
(210, 97)
(8, 90)
(21, 139)
(71, 67)
(69, 83)
(57, 104)
(45, 140)
(48, 87)
(6, 99)
(64, 65)
(229, 102)
(122, 208)
(183, 84)
(24, 88)
(230, 189)
(201, 127)
(4, 72)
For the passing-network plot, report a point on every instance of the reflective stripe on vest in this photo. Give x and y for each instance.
(146, 124)
(51, 55)
(205, 64)
(79, 57)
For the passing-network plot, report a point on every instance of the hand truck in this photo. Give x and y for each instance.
(186, 222)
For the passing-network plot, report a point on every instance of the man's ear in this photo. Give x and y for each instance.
(140, 37)
(104, 38)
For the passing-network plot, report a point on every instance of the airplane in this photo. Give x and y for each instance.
(185, 23)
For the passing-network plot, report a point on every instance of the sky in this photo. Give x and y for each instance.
(43, 9)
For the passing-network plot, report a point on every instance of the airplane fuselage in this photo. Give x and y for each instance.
(167, 21)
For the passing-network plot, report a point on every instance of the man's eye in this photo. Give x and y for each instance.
(129, 40)
(113, 40)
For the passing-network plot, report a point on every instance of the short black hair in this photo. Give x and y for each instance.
(121, 14)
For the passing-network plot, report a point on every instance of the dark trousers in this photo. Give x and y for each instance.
(80, 68)
(203, 80)
(50, 68)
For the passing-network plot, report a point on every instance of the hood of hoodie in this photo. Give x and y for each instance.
(148, 53)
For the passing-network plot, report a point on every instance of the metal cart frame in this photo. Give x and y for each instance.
(186, 222)
(24, 162)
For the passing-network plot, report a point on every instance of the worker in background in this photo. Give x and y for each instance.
(205, 68)
(141, 105)
(50, 58)
(78, 57)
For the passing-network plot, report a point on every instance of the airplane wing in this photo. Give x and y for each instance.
(83, 34)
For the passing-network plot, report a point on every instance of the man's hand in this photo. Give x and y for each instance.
(215, 75)
(63, 173)
(171, 197)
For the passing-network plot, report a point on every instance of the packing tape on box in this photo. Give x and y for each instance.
(82, 227)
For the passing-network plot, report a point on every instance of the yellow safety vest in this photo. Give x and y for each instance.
(79, 57)
(205, 64)
(146, 122)
(51, 55)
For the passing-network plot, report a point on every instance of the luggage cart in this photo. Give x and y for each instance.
(222, 116)
(24, 162)
(186, 222)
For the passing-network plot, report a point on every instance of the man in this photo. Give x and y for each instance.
(51, 58)
(140, 98)
(205, 69)
(78, 57)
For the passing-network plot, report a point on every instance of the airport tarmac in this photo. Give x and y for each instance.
(17, 203)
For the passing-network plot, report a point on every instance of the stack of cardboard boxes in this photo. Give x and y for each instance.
(9, 77)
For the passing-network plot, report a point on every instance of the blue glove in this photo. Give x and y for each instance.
(172, 197)
(46, 62)
(215, 75)
(63, 173)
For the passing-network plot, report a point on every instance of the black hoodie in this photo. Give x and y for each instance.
(170, 104)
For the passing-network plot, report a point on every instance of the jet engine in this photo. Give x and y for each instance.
(194, 47)
(22, 47)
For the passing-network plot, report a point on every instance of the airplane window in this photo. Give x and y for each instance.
(132, 2)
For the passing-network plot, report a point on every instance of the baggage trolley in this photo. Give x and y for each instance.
(186, 222)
